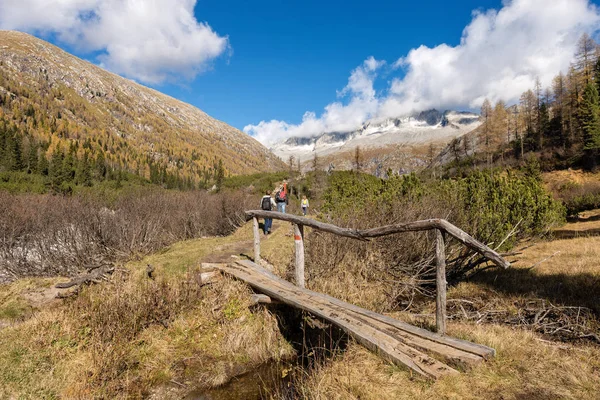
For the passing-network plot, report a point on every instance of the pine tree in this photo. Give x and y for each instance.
(357, 159)
(584, 57)
(69, 166)
(42, 165)
(14, 152)
(55, 171)
(590, 123)
(32, 158)
(219, 175)
(315, 162)
(486, 114)
(83, 175)
(100, 166)
(543, 124)
(559, 131)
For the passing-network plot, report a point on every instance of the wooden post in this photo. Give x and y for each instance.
(299, 242)
(440, 281)
(256, 241)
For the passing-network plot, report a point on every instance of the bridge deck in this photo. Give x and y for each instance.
(427, 353)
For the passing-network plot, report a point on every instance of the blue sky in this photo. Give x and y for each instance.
(292, 56)
(288, 68)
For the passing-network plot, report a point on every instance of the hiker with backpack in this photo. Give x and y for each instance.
(267, 203)
(281, 197)
(304, 205)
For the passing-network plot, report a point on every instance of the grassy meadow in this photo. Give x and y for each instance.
(165, 336)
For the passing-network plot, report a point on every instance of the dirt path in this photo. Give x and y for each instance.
(587, 224)
(224, 253)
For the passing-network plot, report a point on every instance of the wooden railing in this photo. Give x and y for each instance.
(441, 227)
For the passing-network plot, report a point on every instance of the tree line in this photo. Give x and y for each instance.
(559, 123)
(64, 164)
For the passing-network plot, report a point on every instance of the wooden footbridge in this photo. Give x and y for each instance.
(427, 353)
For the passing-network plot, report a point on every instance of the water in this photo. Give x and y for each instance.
(314, 344)
(253, 385)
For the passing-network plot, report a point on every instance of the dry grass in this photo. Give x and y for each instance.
(524, 368)
(556, 181)
(529, 365)
(578, 190)
(135, 337)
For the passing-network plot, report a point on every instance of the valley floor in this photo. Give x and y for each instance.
(136, 337)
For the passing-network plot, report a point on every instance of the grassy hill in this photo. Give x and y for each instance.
(58, 101)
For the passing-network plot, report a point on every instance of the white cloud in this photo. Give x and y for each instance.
(500, 54)
(362, 105)
(148, 40)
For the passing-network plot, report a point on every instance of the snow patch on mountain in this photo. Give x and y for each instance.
(426, 127)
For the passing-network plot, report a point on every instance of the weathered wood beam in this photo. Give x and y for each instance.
(362, 314)
(208, 277)
(256, 240)
(294, 219)
(445, 226)
(440, 282)
(260, 299)
(474, 348)
(423, 225)
(299, 247)
(370, 336)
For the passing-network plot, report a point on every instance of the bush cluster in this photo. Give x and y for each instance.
(580, 197)
(46, 235)
(488, 205)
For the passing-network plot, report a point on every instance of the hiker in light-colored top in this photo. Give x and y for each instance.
(304, 205)
(281, 197)
(267, 203)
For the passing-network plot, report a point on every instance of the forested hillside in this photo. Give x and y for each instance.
(57, 109)
(559, 124)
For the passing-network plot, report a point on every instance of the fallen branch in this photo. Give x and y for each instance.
(95, 276)
(545, 259)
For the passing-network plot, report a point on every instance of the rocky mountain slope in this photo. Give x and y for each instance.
(398, 143)
(66, 101)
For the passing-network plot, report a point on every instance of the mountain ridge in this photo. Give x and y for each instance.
(390, 140)
(73, 100)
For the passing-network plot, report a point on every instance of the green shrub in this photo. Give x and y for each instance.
(488, 204)
(257, 183)
(580, 197)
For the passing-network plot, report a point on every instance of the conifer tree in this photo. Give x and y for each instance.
(590, 123)
(32, 158)
(55, 171)
(83, 175)
(14, 152)
(42, 164)
(543, 124)
(486, 114)
(219, 175)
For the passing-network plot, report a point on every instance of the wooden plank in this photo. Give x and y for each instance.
(260, 299)
(208, 267)
(466, 346)
(256, 240)
(445, 352)
(299, 247)
(442, 225)
(370, 337)
(351, 233)
(440, 282)
(424, 225)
